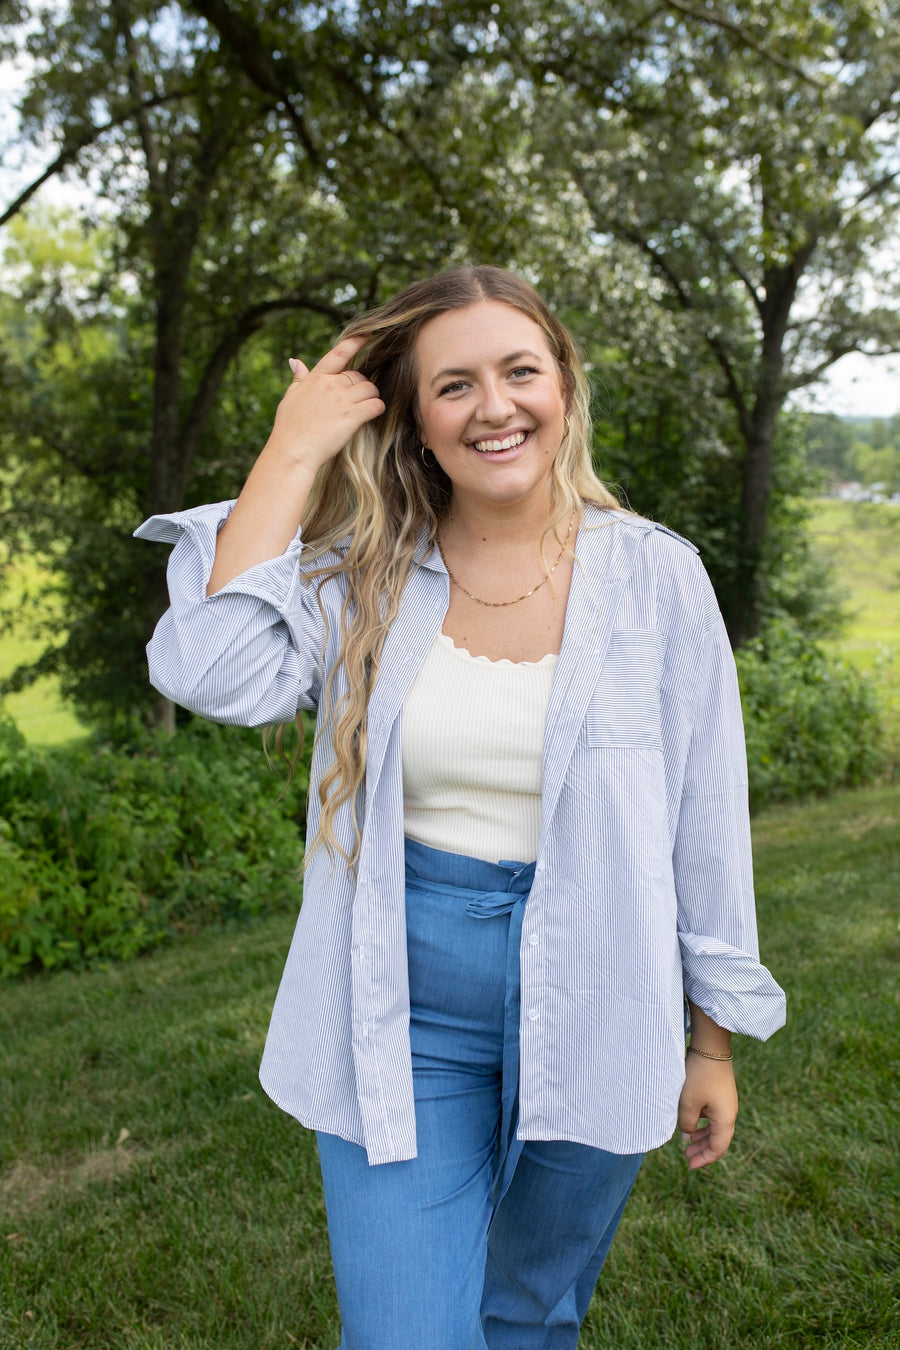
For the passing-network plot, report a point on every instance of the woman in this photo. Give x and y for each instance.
(528, 836)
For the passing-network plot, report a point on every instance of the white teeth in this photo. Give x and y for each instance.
(491, 447)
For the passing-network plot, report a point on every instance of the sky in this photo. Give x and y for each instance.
(855, 386)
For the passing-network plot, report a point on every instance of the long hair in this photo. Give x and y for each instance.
(372, 506)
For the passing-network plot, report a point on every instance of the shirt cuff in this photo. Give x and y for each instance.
(195, 532)
(731, 986)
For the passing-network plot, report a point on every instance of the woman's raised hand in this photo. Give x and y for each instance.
(323, 407)
(320, 411)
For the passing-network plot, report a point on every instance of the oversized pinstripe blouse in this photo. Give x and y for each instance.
(643, 890)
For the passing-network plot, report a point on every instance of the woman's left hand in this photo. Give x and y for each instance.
(709, 1094)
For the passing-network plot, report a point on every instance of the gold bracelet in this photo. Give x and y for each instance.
(704, 1054)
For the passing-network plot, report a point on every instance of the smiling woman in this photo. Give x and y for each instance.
(529, 846)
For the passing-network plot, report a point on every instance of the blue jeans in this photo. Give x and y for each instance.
(481, 1242)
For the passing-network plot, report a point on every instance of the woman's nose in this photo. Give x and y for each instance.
(496, 403)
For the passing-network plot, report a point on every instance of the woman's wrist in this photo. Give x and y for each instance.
(708, 1039)
(707, 1054)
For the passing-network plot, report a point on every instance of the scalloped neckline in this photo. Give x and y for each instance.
(549, 659)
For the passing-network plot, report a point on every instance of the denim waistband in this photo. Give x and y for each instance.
(471, 874)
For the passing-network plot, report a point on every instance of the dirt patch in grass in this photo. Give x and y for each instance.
(28, 1186)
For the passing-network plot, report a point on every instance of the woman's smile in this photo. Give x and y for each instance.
(496, 447)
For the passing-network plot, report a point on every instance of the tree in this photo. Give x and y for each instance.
(748, 157)
(878, 467)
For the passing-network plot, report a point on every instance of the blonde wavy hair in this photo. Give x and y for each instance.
(375, 503)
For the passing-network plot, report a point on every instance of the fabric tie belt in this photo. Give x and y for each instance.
(492, 905)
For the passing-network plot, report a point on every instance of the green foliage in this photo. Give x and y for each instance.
(106, 852)
(860, 541)
(813, 723)
(827, 439)
(877, 467)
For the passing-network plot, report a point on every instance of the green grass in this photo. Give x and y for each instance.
(152, 1197)
(38, 711)
(863, 542)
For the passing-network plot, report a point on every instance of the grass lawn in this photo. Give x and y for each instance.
(863, 542)
(38, 711)
(152, 1197)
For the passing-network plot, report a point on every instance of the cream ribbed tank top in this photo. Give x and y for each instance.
(473, 733)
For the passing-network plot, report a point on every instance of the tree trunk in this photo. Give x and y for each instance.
(744, 607)
(164, 715)
(743, 610)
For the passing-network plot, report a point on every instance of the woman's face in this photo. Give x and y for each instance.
(491, 402)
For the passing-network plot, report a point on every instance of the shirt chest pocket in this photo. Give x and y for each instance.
(624, 708)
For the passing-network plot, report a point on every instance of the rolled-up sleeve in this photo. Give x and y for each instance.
(712, 855)
(251, 653)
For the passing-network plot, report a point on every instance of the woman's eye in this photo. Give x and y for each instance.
(521, 371)
(454, 387)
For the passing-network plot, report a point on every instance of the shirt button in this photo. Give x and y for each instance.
(533, 940)
(540, 865)
(533, 1014)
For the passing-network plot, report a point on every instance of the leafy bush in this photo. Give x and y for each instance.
(813, 723)
(106, 852)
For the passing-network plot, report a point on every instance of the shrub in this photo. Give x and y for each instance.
(813, 723)
(105, 852)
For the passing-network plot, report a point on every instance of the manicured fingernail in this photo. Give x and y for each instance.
(294, 364)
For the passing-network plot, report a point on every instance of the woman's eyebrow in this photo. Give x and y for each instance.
(465, 370)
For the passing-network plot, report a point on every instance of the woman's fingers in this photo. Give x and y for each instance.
(340, 356)
(354, 379)
(332, 373)
(707, 1144)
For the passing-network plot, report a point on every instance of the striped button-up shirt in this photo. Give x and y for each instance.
(643, 890)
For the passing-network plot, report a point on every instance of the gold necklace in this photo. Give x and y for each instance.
(502, 604)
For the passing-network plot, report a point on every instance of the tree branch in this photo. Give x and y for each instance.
(686, 301)
(873, 190)
(742, 276)
(282, 77)
(241, 330)
(262, 70)
(70, 152)
(716, 20)
(145, 131)
(802, 379)
(807, 377)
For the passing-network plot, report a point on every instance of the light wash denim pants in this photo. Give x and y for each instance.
(481, 1242)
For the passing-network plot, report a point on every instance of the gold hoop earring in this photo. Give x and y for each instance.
(422, 449)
